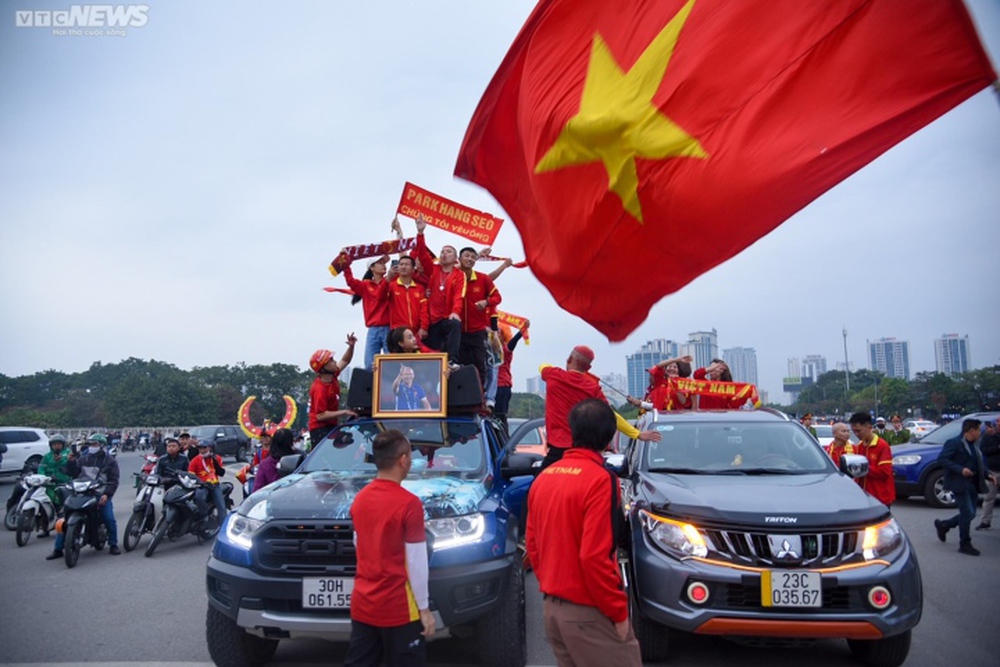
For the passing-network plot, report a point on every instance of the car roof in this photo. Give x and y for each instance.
(759, 415)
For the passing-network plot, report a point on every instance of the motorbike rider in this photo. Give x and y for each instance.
(208, 467)
(95, 463)
(168, 464)
(54, 465)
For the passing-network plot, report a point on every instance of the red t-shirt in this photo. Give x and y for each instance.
(563, 390)
(323, 397)
(386, 518)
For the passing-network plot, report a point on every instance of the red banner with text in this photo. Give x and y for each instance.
(450, 216)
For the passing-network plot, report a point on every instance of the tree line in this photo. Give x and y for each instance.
(140, 393)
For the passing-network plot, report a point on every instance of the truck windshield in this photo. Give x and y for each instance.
(439, 446)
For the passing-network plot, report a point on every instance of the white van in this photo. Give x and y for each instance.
(25, 447)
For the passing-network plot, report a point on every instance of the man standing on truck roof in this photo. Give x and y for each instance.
(574, 515)
(390, 613)
(564, 388)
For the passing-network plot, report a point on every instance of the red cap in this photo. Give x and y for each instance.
(585, 352)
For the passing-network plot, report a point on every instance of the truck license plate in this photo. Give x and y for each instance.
(781, 588)
(327, 592)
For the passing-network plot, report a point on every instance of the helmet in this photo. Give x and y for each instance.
(98, 438)
(58, 437)
(320, 359)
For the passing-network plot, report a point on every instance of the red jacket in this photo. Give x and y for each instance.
(207, 470)
(563, 390)
(376, 310)
(477, 288)
(444, 290)
(574, 513)
(407, 304)
(879, 481)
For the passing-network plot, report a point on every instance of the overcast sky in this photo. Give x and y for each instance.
(178, 192)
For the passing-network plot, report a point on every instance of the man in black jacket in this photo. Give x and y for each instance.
(990, 447)
(95, 462)
(964, 474)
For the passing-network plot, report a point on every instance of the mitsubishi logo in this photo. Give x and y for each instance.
(786, 548)
(786, 552)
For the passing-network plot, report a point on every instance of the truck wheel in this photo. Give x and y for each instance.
(501, 634)
(887, 652)
(229, 645)
(934, 491)
(241, 454)
(653, 638)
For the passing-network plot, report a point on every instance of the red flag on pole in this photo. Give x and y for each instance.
(668, 135)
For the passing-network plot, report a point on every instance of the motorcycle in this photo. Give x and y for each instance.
(35, 509)
(83, 524)
(143, 519)
(147, 467)
(180, 512)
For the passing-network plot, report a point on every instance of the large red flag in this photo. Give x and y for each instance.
(637, 144)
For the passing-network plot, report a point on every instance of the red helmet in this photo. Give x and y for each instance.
(320, 359)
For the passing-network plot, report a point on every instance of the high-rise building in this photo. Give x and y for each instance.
(647, 356)
(794, 368)
(742, 362)
(536, 386)
(890, 356)
(616, 387)
(703, 346)
(813, 366)
(951, 354)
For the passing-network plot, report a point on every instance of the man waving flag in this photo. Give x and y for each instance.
(616, 131)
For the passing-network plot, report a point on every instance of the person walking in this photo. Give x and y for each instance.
(574, 516)
(963, 476)
(390, 612)
(989, 445)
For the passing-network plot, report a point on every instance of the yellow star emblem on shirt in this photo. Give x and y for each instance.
(618, 122)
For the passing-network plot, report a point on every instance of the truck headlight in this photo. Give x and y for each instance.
(675, 537)
(241, 529)
(881, 539)
(905, 460)
(456, 531)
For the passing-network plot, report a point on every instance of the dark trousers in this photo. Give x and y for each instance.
(445, 336)
(317, 434)
(473, 352)
(400, 645)
(966, 503)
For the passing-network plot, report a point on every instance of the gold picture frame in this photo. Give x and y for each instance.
(411, 385)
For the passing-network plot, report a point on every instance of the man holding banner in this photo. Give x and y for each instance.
(480, 298)
(444, 295)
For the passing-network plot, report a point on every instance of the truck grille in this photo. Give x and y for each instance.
(306, 548)
(817, 549)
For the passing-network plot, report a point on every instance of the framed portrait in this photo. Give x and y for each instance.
(411, 385)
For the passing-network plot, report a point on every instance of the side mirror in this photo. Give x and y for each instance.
(854, 465)
(288, 464)
(519, 465)
(616, 463)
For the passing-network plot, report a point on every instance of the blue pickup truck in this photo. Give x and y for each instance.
(283, 564)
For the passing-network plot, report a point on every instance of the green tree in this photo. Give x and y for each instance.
(526, 406)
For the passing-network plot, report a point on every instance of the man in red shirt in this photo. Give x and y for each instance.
(444, 295)
(879, 481)
(841, 443)
(479, 299)
(566, 388)
(324, 394)
(390, 614)
(574, 515)
(406, 297)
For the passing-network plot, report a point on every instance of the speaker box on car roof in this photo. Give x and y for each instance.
(359, 394)
(464, 390)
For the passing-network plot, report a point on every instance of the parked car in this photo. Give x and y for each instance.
(228, 440)
(740, 525)
(529, 434)
(918, 428)
(25, 448)
(915, 467)
(283, 564)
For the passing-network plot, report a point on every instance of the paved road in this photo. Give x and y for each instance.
(131, 609)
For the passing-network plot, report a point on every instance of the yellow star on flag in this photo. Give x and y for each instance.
(618, 122)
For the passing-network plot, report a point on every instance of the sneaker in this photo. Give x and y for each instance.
(56, 553)
(942, 530)
(983, 526)
(114, 550)
(967, 548)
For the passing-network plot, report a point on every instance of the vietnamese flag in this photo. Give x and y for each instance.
(637, 144)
